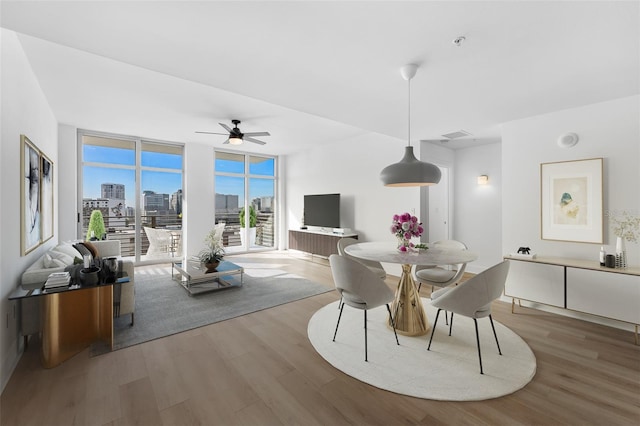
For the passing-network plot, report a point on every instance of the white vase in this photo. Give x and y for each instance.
(621, 253)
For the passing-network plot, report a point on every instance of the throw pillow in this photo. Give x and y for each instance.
(51, 255)
(52, 262)
(92, 248)
(84, 251)
(66, 248)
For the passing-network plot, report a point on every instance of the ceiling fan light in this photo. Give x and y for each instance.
(410, 172)
(235, 141)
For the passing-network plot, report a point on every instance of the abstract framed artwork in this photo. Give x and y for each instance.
(571, 207)
(46, 197)
(30, 227)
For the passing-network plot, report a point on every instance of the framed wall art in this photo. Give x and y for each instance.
(571, 201)
(46, 197)
(31, 231)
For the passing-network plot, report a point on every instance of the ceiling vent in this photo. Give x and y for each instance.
(457, 134)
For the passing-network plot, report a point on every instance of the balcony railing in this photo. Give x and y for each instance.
(123, 228)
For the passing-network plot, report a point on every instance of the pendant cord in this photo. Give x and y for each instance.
(409, 110)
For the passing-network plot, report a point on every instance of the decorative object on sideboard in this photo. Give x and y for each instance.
(410, 171)
(90, 276)
(626, 227)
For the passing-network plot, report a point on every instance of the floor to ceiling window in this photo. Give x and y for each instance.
(137, 186)
(250, 221)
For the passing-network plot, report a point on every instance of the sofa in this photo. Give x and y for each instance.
(58, 259)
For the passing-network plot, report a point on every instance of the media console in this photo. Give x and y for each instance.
(316, 242)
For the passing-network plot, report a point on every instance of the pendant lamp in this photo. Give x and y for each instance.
(410, 171)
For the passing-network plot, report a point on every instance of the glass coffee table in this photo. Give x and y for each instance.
(196, 279)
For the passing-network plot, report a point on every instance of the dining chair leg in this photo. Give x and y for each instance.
(339, 316)
(433, 329)
(475, 321)
(393, 324)
(495, 335)
(365, 335)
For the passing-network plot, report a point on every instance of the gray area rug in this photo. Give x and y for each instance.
(163, 306)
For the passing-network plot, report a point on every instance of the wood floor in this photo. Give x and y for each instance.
(260, 369)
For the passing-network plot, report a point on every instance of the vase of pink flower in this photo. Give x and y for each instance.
(406, 226)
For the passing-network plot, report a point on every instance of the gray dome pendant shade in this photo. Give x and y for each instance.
(410, 171)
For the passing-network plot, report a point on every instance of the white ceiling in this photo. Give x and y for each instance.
(323, 72)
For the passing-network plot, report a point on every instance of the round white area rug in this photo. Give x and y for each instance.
(450, 371)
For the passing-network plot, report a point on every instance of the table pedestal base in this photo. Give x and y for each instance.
(407, 308)
(72, 320)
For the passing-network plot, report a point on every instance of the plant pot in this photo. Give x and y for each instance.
(89, 276)
(211, 265)
(252, 237)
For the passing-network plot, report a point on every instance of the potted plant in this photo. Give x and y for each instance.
(211, 256)
(253, 220)
(96, 229)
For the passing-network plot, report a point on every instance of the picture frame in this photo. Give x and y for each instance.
(30, 226)
(571, 203)
(46, 197)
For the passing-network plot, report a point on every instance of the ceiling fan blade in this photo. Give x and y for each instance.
(227, 141)
(250, 139)
(227, 128)
(213, 133)
(258, 134)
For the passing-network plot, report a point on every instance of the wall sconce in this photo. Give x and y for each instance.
(483, 180)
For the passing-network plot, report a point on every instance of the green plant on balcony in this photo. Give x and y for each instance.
(253, 217)
(96, 229)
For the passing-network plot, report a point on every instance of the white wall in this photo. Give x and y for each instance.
(24, 111)
(68, 175)
(352, 168)
(477, 213)
(198, 197)
(610, 130)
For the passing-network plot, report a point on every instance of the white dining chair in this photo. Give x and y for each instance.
(440, 276)
(360, 288)
(472, 299)
(375, 267)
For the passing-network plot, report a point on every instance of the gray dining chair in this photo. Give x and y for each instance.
(374, 266)
(360, 288)
(472, 299)
(439, 276)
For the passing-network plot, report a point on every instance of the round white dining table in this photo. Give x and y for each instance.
(410, 318)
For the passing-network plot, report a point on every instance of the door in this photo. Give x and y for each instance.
(439, 208)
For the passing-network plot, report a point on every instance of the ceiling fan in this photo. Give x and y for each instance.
(236, 137)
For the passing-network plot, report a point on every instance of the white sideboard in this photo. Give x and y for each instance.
(577, 285)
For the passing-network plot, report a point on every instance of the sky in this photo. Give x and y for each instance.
(169, 181)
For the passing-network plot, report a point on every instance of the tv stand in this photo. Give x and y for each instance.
(316, 242)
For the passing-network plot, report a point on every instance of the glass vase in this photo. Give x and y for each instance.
(404, 245)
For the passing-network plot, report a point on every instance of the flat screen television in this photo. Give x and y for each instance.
(322, 210)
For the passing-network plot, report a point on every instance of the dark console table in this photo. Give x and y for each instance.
(319, 243)
(73, 317)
